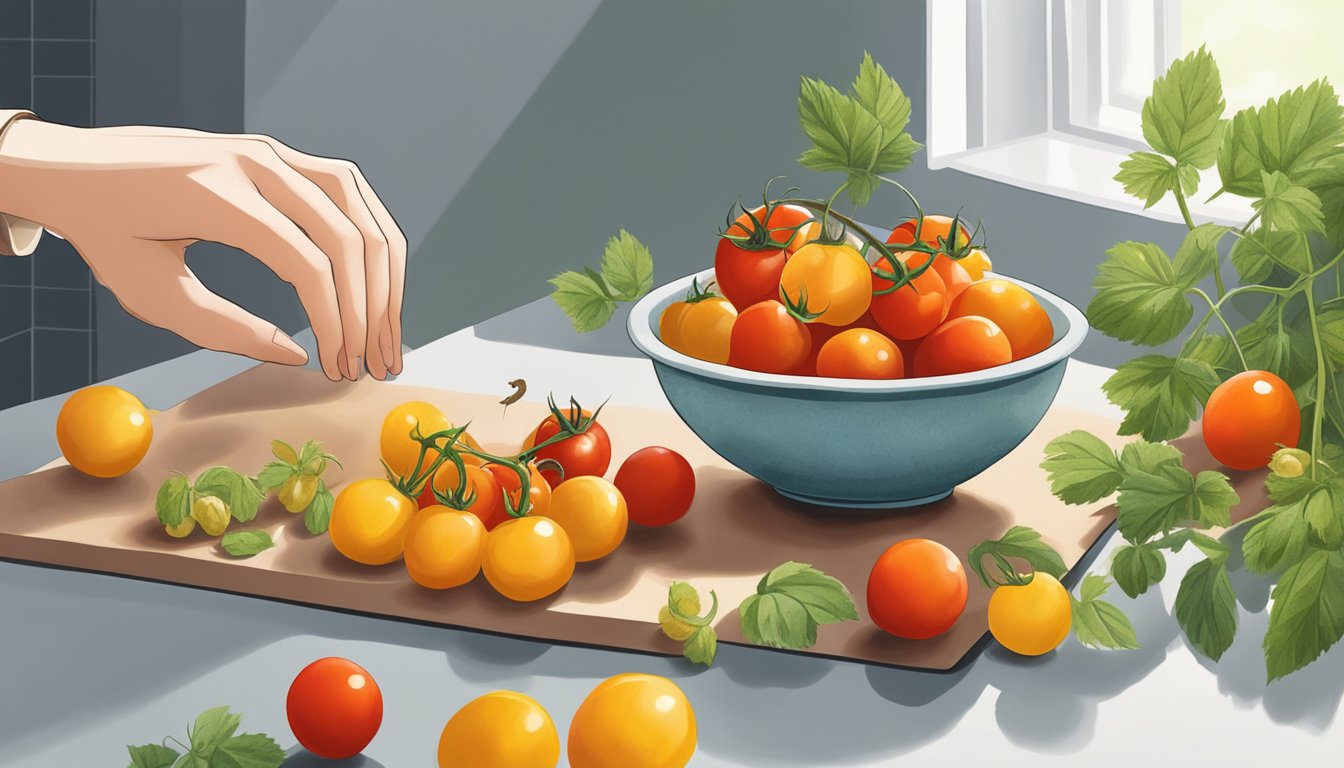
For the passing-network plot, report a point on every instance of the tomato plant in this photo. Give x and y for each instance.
(1249, 417)
(859, 353)
(701, 326)
(1013, 309)
(103, 431)
(443, 547)
(658, 485)
(368, 521)
(911, 311)
(334, 708)
(573, 440)
(917, 589)
(633, 721)
(831, 281)
(502, 729)
(527, 558)
(771, 338)
(962, 345)
(592, 511)
(1032, 618)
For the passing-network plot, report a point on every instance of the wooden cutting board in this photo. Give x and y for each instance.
(737, 529)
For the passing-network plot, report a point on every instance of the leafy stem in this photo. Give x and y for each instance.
(1318, 408)
(1216, 312)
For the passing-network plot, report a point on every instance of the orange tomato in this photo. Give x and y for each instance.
(1013, 309)
(917, 589)
(976, 263)
(1248, 417)
(489, 502)
(859, 353)
(833, 278)
(788, 222)
(820, 333)
(701, 329)
(538, 490)
(962, 345)
(935, 228)
(443, 547)
(767, 338)
(914, 309)
(954, 275)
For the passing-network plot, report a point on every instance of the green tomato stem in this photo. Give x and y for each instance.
(1231, 337)
(1318, 408)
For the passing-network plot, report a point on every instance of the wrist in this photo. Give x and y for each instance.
(29, 158)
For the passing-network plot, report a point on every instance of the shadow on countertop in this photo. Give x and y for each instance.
(541, 323)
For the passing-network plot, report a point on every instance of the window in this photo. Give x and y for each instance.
(1047, 94)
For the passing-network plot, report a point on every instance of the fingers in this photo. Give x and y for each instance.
(164, 292)
(306, 205)
(251, 223)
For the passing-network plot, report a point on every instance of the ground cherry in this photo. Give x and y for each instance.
(859, 353)
(103, 431)
(1017, 313)
(962, 345)
(1248, 417)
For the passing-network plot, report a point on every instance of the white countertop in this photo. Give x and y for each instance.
(96, 662)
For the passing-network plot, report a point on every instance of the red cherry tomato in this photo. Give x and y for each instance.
(658, 485)
(587, 453)
(962, 345)
(747, 277)
(1248, 417)
(334, 708)
(767, 338)
(914, 309)
(917, 589)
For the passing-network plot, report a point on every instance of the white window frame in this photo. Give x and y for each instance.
(1034, 94)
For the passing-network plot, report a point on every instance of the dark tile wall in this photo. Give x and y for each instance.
(47, 323)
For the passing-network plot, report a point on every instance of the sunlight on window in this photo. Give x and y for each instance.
(1265, 48)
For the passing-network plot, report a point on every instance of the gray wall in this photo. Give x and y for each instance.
(511, 137)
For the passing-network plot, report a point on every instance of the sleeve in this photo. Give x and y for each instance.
(18, 237)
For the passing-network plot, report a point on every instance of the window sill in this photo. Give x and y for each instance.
(1083, 170)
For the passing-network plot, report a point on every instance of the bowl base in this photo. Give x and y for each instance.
(873, 505)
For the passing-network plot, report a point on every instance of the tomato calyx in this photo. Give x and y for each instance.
(760, 236)
(571, 422)
(798, 309)
(452, 449)
(698, 294)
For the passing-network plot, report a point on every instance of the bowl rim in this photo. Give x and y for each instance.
(640, 327)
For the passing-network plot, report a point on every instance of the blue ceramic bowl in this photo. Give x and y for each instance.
(868, 444)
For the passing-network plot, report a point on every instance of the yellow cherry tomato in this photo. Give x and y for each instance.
(395, 445)
(443, 547)
(977, 263)
(593, 513)
(527, 558)
(369, 521)
(700, 328)
(1031, 619)
(835, 278)
(633, 721)
(103, 431)
(500, 730)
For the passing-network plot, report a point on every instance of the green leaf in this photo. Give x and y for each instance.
(1082, 469)
(1161, 395)
(702, 646)
(1213, 499)
(246, 543)
(1287, 206)
(1298, 133)
(317, 518)
(274, 475)
(248, 750)
(1198, 255)
(284, 452)
(1308, 613)
(789, 603)
(627, 266)
(845, 135)
(237, 491)
(1183, 117)
(1021, 543)
(1137, 567)
(1155, 502)
(1276, 348)
(1212, 349)
(1140, 297)
(1255, 254)
(1097, 623)
(1206, 608)
(1150, 177)
(173, 501)
(1323, 511)
(152, 756)
(878, 93)
(1277, 540)
(212, 728)
(1143, 456)
(587, 305)
(1331, 322)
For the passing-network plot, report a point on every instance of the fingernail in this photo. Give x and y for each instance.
(289, 353)
(341, 366)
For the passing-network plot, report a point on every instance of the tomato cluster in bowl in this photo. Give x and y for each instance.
(791, 296)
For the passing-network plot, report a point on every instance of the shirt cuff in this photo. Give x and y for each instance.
(18, 237)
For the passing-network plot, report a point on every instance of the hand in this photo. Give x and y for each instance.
(131, 199)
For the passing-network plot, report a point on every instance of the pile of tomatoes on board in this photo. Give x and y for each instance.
(452, 510)
(787, 299)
